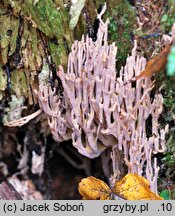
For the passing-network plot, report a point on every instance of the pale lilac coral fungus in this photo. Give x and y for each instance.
(98, 111)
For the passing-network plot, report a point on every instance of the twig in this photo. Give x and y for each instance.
(22, 121)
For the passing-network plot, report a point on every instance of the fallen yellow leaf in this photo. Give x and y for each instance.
(131, 187)
(92, 188)
(134, 187)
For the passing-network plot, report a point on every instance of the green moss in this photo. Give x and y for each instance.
(58, 53)
(19, 83)
(8, 35)
(168, 18)
(52, 19)
(169, 100)
(46, 16)
(168, 117)
(122, 22)
(32, 49)
(49, 19)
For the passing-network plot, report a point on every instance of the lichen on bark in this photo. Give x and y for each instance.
(3, 81)
(30, 30)
(8, 34)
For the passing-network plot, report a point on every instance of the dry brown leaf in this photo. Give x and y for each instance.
(154, 65)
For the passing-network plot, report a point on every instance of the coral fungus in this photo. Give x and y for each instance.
(98, 111)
